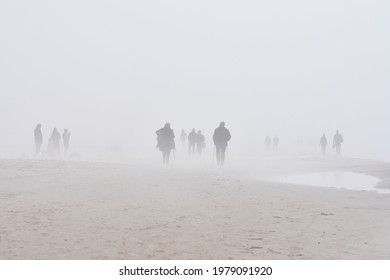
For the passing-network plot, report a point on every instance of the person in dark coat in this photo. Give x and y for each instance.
(38, 138)
(165, 141)
(192, 136)
(221, 138)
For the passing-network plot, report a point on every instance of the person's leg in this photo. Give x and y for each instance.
(168, 153)
(223, 151)
(218, 154)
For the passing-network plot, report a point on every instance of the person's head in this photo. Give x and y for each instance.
(323, 134)
(39, 126)
(168, 125)
(55, 130)
(337, 132)
(222, 124)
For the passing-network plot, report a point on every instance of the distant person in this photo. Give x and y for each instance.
(183, 137)
(221, 138)
(268, 142)
(200, 142)
(337, 140)
(38, 138)
(66, 138)
(165, 141)
(275, 143)
(192, 142)
(54, 143)
(323, 143)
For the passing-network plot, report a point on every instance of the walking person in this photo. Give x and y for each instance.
(337, 140)
(221, 138)
(66, 138)
(200, 142)
(268, 143)
(38, 138)
(192, 142)
(323, 143)
(275, 143)
(54, 143)
(183, 137)
(166, 141)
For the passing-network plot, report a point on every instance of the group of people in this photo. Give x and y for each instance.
(196, 141)
(53, 146)
(166, 142)
(337, 141)
(274, 143)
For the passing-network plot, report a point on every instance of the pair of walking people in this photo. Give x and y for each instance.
(337, 141)
(166, 142)
(196, 141)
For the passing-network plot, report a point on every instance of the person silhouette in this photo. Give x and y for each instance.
(323, 143)
(200, 142)
(268, 142)
(166, 141)
(66, 138)
(191, 142)
(337, 140)
(54, 142)
(183, 137)
(38, 138)
(275, 143)
(221, 137)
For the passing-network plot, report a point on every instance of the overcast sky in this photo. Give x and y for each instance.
(113, 71)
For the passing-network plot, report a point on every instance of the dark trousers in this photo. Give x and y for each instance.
(191, 148)
(220, 153)
(166, 154)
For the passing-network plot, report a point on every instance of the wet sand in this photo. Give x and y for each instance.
(81, 210)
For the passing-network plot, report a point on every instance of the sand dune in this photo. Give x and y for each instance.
(80, 210)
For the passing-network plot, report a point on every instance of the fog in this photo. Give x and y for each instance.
(113, 72)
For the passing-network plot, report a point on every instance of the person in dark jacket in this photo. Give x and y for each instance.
(38, 138)
(192, 136)
(166, 141)
(221, 138)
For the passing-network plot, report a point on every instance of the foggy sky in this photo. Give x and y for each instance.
(113, 72)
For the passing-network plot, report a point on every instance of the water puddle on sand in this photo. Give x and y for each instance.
(342, 180)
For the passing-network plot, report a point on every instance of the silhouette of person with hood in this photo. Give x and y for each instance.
(183, 137)
(323, 143)
(221, 138)
(38, 138)
(337, 140)
(192, 136)
(54, 143)
(66, 138)
(165, 141)
(268, 142)
(275, 143)
(200, 142)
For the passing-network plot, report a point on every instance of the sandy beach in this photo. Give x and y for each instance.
(83, 210)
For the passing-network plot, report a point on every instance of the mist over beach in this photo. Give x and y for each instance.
(113, 73)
